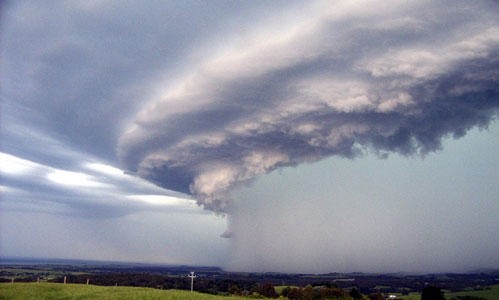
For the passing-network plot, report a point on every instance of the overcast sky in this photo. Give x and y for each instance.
(296, 136)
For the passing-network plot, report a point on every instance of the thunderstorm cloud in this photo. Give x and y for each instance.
(338, 78)
(120, 121)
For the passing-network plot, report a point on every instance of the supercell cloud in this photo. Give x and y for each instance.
(332, 79)
(101, 99)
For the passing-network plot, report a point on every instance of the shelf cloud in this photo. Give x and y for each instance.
(342, 77)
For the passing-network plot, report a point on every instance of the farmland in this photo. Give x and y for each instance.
(107, 280)
(491, 293)
(56, 291)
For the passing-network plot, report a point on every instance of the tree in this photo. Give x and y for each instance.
(294, 293)
(376, 296)
(354, 293)
(432, 293)
(267, 290)
(234, 290)
(308, 292)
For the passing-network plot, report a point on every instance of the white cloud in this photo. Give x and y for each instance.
(94, 183)
(73, 179)
(104, 169)
(164, 200)
(12, 165)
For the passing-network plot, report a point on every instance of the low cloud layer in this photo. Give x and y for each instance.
(333, 80)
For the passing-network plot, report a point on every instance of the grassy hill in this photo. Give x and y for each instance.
(80, 291)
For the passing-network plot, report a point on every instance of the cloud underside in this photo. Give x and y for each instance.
(333, 83)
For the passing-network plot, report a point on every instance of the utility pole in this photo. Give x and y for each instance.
(192, 276)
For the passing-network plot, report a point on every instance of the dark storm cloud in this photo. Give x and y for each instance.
(81, 70)
(344, 77)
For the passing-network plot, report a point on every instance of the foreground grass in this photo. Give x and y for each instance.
(80, 291)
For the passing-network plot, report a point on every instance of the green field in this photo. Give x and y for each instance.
(80, 291)
(489, 294)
